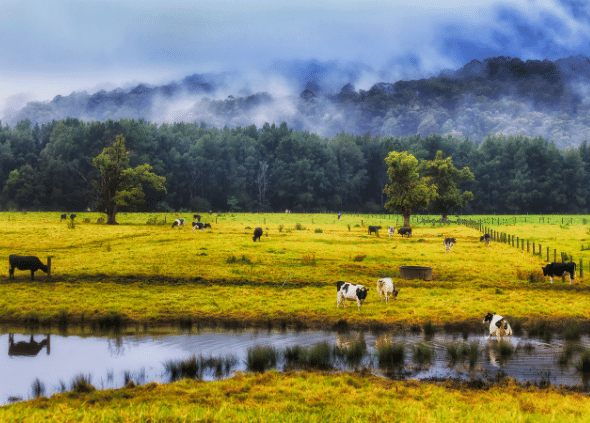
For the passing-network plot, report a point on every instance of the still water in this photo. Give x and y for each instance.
(110, 361)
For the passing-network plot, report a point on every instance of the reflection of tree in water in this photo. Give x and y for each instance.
(116, 346)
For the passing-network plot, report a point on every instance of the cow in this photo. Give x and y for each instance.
(197, 217)
(257, 234)
(28, 349)
(405, 231)
(350, 292)
(558, 269)
(374, 229)
(486, 238)
(448, 243)
(386, 289)
(63, 217)
(31, 263)
(339, 216)
(498, 326)
(178, 222)
(200, 225)
(72, 217)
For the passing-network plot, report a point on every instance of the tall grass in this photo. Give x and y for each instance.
(259, 359)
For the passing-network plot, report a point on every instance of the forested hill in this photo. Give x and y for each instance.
(42, 167)
(499, 95)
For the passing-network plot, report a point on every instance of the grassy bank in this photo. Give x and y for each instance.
(307, 397)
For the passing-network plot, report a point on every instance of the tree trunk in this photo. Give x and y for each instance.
(111, 210)
(407, 215)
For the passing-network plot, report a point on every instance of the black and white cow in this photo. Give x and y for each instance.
(178, 222)
(350, 292)
(374, 229)
(63, 217)
(31, 263)
(558, 269)
(485, 238)
(257, 234)
(448, 243)
(498, 326)
(391, 231)
(405, 231)
(200, 225)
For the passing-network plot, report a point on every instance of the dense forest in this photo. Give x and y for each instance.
(273, 168)
(497, 95)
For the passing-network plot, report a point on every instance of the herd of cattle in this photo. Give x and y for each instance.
(345, 290)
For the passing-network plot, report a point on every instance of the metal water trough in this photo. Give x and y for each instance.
(415, 272)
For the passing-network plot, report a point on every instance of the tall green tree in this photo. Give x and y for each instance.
(407, 191)
(118, 184)
(442, 174)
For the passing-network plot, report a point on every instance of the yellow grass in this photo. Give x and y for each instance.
(147, 273)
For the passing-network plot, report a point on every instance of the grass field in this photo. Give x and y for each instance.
(155, 275)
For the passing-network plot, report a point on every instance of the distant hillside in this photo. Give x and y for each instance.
(498, 95)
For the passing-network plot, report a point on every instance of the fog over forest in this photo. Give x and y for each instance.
(498, 95)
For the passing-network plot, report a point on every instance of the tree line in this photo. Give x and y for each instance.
(273, 168)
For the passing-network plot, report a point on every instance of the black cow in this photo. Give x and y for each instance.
(405, 231)
(558, 269)
(28, 349)
(197, 217)
(200, 225)
(374, 229)
(72, 216)
(31, 263)
(63, 217)
(257, 234)
(486, 238)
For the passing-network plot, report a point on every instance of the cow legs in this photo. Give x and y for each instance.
(551, 277)
(11, 273)
(32, 275)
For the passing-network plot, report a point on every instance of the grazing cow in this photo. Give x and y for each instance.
(486, 238)
(448, 243)
(72, 216)
(405, 231)
(197, 217)
(63, 217)
(257, 234)
(178, 222)
(558, 269)
(31, 263)
(339, 216)
(498, 326)
(391, 231)
(200, 225)
(374, 229)
(386, 289)
(350, 292)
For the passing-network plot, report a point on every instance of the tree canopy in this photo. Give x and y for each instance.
(407, 190)
(118, 184)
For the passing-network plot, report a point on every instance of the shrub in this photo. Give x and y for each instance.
(81, 384)
(299, 227)
(319, 357)
(308, 260)
(37, 388)
(318, 231)
(583, 364)
(359, 258)
(281, 226)
(353, 354)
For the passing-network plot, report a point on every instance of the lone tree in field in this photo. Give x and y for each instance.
(118, 184)
(407, 191)
(445, 176)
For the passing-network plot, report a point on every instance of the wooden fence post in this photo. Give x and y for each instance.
(527, 246)
(547, 253)
(540, 251)
(555, 256)
(581, 269)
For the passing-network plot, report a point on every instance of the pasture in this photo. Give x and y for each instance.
(150, 273)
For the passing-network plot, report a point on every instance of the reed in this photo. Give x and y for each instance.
(260, 359)
(37, 388)
(390, 356)
(422, 353)
(81, 384)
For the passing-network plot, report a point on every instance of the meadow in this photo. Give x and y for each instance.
(154, 274)
(137, 273)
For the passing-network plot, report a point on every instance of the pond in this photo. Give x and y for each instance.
(51, 362)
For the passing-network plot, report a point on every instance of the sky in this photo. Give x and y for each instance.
(50, 48)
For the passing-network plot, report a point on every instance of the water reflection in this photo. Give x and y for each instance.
(111, 362)
(28, 349)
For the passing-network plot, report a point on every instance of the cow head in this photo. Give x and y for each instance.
(394, 294)
(361, 293)
(488, 318)
(545, 270)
